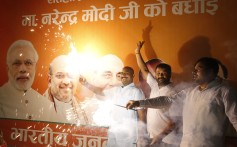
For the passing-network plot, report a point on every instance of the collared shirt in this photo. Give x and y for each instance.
(123, 123)
(29, 105)
(205, 115)
(157, 119)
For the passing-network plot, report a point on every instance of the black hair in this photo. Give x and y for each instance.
(165, 66)
(212, 63)
(129, 69)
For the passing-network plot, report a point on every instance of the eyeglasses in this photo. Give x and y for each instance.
(28, 63)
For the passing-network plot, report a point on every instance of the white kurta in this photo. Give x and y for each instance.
(19, 105)
(123, 127)
(205, 114)
(157, 119)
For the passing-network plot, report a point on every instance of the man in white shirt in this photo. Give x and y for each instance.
(207, 107)
(158, 121)
(17, 99)
(126, 127)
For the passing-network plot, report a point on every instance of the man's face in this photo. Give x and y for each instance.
(162, 76)
(62, 83)
(21, 68)
(126, 77)
(201, 74)
(108, 78)
(106, 72)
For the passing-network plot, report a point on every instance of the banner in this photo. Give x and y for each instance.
(177, 32)
(32, 133)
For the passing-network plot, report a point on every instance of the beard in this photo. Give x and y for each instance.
(62, 94)
(163, 81)
(22, 86)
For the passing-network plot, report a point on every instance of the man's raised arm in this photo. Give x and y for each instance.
(140, 62)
